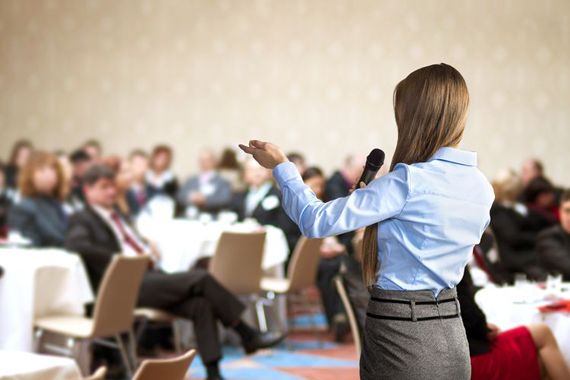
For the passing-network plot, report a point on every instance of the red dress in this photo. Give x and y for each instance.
(513, 356)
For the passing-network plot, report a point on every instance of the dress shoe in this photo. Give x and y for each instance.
(263, 340)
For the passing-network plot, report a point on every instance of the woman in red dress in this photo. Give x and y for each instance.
(523, 353)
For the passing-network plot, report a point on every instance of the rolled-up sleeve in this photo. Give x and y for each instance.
(382, 199)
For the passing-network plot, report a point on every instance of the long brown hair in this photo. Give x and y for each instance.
(430, 106)
(37, 161)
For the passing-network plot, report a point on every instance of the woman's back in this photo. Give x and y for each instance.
(446, 210)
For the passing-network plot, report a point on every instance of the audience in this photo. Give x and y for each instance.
(5, 202)
(206, 192)
(531, 169)
(40, 215)
(520, 353)
(93, 149)
(21, 151)
(261, 202)
(540, 198)
(329, 266)
(299, 160)
(530, 222)
(160, 179)
(514, 230)
(230, 169)
(80, 162)
(138, 193)
(99, 231)
(553, 244)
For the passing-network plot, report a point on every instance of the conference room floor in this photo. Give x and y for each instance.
(302, 357)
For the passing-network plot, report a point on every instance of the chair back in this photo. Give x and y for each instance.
(237, 261)
(349, 308)
(302, 271)
(98, 375)
(115, 304)
(165, 369)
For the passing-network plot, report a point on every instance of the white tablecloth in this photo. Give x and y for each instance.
(182, 242)
(36, 283)
(27, 366)
(510, 307)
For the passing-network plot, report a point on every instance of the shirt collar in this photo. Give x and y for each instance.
(458, 156)
(106, 214)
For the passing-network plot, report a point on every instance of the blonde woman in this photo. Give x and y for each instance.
(425, 215)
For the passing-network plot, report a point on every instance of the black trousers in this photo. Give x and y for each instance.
(328, 269)
(197, 296)
(357, 292)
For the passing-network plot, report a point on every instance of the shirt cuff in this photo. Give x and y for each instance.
(285, 171)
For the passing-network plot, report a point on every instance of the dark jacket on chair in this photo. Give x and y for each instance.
(40, 219)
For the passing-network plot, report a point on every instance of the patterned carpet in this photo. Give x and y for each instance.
(302, 356)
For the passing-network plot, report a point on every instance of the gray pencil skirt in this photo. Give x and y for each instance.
(413, 335)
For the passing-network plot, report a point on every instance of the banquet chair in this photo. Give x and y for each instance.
(98, 375)
(112, 316)
(301, 273)
(237, 266)
(165, 369)
(349, 308)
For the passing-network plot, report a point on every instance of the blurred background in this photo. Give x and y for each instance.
(314, 76)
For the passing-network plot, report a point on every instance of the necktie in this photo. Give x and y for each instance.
(130, 240)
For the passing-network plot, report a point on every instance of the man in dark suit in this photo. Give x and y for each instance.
(207, 191)
(553, 244)
(262, 202)
(98, 232)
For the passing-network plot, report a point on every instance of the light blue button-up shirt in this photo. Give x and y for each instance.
(430, 216)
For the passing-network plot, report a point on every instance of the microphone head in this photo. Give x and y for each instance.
(376, 158)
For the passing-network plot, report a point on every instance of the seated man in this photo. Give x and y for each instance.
(98, 232)
(206, 192)
(553, 244)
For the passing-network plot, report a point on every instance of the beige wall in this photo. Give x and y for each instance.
(315, 76)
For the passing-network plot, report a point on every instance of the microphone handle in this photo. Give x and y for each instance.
(367, 176)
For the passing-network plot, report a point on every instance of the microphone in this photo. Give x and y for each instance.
(374, 162)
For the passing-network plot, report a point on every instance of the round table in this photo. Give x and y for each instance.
(509, 307)
(36, 283)
(28, 366)
(183, 242)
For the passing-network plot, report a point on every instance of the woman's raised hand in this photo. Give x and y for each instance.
(267, 154)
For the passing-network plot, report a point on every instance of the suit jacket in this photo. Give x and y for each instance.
(40, 219)
(553, 246)
(219, 199)
(269, 212)
(90, 236)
